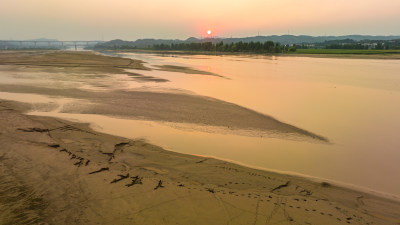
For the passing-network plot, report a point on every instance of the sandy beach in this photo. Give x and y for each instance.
(59, 172)
(55, 171)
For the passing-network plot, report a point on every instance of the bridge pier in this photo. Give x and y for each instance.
(5, 45)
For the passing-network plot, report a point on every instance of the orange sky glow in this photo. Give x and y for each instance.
(133, 19)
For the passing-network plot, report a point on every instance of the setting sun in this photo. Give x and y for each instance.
(209, 32)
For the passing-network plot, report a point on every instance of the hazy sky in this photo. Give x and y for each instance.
(133, 19)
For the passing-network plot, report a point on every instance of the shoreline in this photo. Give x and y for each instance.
(310, 178)
(344, 185)
(341, 184)
(350, 186)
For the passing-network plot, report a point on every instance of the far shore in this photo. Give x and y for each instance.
(289, 54)
(319, 53)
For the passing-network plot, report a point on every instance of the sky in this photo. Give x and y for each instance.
(180, 19)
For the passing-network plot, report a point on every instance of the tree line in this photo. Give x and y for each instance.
(377, 46)
(362, 44)
(267, 47)
(247, 47)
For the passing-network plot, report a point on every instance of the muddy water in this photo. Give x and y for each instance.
(354, 103)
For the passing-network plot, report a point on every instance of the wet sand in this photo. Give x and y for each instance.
(169, 107)
(59, 172)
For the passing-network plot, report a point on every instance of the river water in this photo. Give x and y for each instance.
(355, 103)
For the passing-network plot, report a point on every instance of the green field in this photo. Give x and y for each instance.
(345, 51)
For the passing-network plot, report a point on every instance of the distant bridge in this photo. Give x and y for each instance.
(6, 44)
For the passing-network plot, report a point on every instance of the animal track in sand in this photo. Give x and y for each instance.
(135, 180)
(73, 156)
(100, 170)
(121, 177)
(159, 185)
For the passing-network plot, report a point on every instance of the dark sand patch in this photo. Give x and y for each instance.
(184, 69)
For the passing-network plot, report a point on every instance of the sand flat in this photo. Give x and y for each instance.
(170, 107)
(74, 62)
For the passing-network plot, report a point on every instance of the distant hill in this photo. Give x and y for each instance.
(282, 39)
(305, 39)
